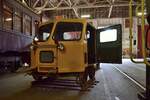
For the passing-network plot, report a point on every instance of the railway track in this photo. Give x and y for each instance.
(69, 84)
(141, 95)
(130, 78)
(56, 83)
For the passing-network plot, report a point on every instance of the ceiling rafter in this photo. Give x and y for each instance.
(70, 2)
(74, 9)
(76, 12)
(59, 3)
(109, 1)
(86, 2)
(66, 2)
(51, 4)
(42, 7)
(76, 2)
(34, 5)
(80, 7)
(110, 9)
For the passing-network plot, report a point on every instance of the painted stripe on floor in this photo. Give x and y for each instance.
(138, 84)
(106, 87)
(116, 98)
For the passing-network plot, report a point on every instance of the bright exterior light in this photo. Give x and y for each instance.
(85, 16)
(25, 64)
(45, 36)
(36, 39)
(108, 35)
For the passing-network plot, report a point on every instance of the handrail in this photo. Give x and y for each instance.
(131, 34)
(143, 35)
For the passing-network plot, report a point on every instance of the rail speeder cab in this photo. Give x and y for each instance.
(74, 46)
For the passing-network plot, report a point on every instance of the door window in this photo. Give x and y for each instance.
(44, 32)
(65, 31)
(108, 35)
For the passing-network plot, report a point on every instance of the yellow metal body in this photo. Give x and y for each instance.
(71, 59)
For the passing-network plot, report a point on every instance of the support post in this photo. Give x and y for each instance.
(148, 82)
(148, 6)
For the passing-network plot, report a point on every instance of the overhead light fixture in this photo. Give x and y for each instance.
(8, 19)
(140, 13)
(99, 27)
(85, 16)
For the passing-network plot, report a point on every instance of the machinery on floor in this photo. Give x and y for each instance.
(74, 47)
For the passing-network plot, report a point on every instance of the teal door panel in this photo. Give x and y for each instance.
(109, 44)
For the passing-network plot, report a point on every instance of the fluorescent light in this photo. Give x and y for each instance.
(8, 19)
(140, 13)
(99, 27)
(85, 16)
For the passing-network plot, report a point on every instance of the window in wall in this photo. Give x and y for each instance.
(7, 17)
(17, 22)
(27, 25)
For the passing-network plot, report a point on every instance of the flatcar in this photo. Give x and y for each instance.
(74, 47)
(17, 29)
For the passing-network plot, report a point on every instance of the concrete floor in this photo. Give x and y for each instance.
(136, 71)
(113, 86)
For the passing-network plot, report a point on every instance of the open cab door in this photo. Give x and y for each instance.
(109, 44)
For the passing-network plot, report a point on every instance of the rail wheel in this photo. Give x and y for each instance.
(82, 80)
(97, 66)
(91, 73)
